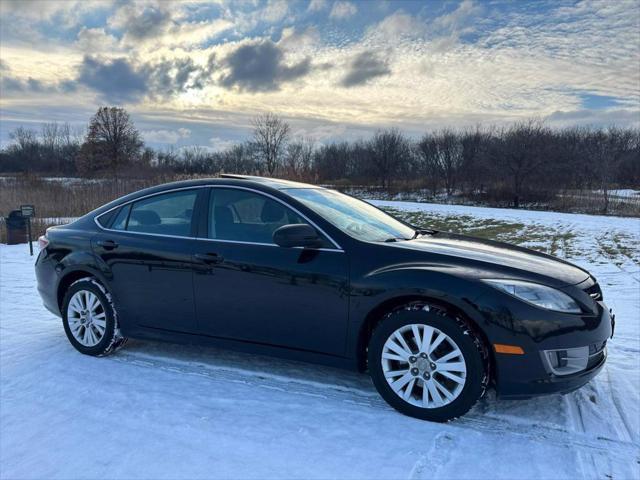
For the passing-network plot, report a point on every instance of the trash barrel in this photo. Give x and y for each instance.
(16, 228)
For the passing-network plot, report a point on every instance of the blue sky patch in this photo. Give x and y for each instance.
(594, 102)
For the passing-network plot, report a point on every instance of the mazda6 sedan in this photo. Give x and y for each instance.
(288, 269)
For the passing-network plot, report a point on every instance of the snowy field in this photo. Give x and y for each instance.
(164, 411)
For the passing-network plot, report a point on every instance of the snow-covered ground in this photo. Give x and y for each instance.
(622, 192)
(165, 411)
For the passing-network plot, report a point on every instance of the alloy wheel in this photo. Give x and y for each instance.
(424, 366)
(87, 318)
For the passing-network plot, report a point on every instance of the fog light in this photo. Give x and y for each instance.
(566, 361)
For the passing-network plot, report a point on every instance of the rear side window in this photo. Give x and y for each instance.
(120, 222)
(105, 219)
(166, 214)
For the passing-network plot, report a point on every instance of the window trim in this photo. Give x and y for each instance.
(196, 237)
(130, 203)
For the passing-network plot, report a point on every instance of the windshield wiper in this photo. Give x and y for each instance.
(418, 232)
(423, 231)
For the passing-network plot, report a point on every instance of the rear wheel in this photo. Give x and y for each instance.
(90, 319)
(427, 364)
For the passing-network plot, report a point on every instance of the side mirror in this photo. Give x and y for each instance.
(297, 235)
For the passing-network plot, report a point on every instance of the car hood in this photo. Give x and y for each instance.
(490, 253)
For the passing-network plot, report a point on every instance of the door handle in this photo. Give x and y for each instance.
(107, 244)
(209, 257)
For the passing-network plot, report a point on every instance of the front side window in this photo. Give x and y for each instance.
(244, 216)
(354, 217)
(165, 214)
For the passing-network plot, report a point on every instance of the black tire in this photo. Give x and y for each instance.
(470, 346)
(112, 339)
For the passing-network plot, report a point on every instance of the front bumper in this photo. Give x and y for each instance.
(551, 383)
(528, 375)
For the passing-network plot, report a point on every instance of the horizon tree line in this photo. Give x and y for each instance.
(524, 162)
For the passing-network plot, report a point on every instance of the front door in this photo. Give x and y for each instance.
(248, 288)
(147, 248)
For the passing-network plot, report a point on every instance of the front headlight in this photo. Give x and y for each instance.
(538, 295)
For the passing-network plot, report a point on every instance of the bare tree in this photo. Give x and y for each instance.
(298, 157)
(470, 172)
(628, 170)
(442, 153)
(58, 146)
(112, 141)
(270, 135)
(331, 162)
(450, 158)
(238, 159)
(26, 147)
(607, 149)
(51, 135)
(197, 159)
(24, 138)
(389, 151)
(427, 160)
(519, 154)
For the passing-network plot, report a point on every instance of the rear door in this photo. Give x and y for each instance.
(148, 249)
(248, 288)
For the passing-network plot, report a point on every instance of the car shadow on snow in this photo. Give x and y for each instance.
(552, 410)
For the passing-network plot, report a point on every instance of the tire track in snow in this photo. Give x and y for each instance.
(628, 432)
(482, 423)
(577, 419)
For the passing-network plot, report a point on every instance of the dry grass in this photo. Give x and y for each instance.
(66, 197)
(57, 200)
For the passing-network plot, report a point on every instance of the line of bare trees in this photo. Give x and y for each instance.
(514, 165)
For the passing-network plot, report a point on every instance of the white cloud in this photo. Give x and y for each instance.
(459, 17)
(166, 136)
(153, 25)
(293, 39)
(219, 144)
(625, 117)
(95, 40)
(184, 132)
(68, 12)
(275, 11)
(194, 33)
(589, 47)
(342, 10)
(317, 5)
(398, 24)
(521, 62)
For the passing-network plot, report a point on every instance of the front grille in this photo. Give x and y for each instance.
(597, 347)
(595, 360)
(597, 351)
(594, 292)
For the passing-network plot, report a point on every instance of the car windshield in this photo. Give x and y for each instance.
(354, 217)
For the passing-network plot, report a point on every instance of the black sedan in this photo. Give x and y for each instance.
(282, 268)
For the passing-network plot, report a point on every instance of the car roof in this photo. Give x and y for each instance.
(232, 179)
(276, 183)
(260, 183)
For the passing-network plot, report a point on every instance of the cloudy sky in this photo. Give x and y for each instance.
(196, 72)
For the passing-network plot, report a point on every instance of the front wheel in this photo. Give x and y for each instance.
(90, 319)
(427, 364)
